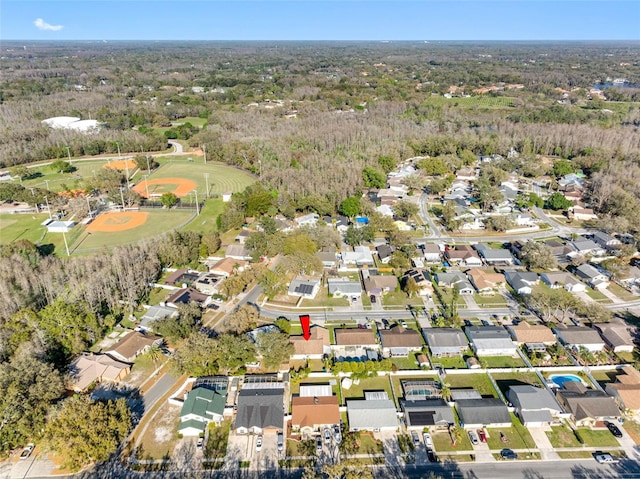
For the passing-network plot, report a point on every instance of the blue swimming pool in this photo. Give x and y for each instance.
(560, 379)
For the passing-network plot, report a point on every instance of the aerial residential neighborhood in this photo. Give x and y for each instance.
(317, 259)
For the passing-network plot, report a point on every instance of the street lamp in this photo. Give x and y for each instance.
(197, 205)
(146, 185)
(48, 209)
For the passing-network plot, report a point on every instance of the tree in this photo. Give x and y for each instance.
(84, 431)
(197, 357)
(154, 353)
(557, 201)
(373, 178)
(535, 255)
(273, 282)
(433, 166)
(411, 287)
(209, 244)
(405, 209)
(350, 207)
(20, 171)
(71, 326)
(595, 312)
(240, 321)
(169, 200)
(562, 168)
(499, 223)
(299, 243)
(339, 471)
(145, 162)
(387, 163)
(275, 348)
(234, 352)
(283, 325)
(61, 166)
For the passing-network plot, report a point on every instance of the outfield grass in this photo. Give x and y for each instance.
(478, 381)
(159, 221)
(221, 178)
(73, 180)
(206, 222)
(21, 226)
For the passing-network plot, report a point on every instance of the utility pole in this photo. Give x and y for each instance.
(48, 209)
(69, 154)
(122, 198)
(197, 205)
(206, 179)
(148, 167)
(204, 152)
(146, 185)
(47, 183)
(66, 245)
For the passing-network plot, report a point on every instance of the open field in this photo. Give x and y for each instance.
(74, 180)
(21, 226)
(221, 178)
(206, 222)
(158, 222)
(482, 101)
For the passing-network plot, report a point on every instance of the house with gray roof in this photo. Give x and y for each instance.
(491, 341)
(576, 337)
(202, 406)
(340, 287)
(444, 342)
(260, 409)
(376, 412)
(586, 406)
(329, 259)
(592, 276)
(496, 257)
(384, 253)
(606, 241)
(304, 287)
(586, 247)
(484, 412)
(521, 281)
(618, 336)
(562, 279)
(427, 413)
(457, 280)
(432, 253)
(535, 406)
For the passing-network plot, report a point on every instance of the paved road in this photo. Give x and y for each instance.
(158, 390)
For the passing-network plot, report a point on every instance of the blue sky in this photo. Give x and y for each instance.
(320, 20)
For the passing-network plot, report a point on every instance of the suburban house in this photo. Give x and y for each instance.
(586, 406)
(228, 266)
(339, 287)
(154, 313)
(181, 278)
(202, 406)
(310, 219)
(329, 259)
(384, 253)
(376, 412)
(626, 389)
(380, 284)
(208, 283)
(186, 296)
(535, 336)
(398, 342)
(606, 241)
(310, 414)
(355, 343)
(630, 278)
(304, 287)
(562, 279)
(491, 341)
(243, 235)
(463, 255)
(579, 213)
(560, 250)
(260, 407)
(427, 413)
(482, 412)
(618, 336)
(237, 251)
(521, 281)
(360, 256)
(445, 342)
(89, 369)
(315, 347)
(432, 253)
(422, 280)
(593, 277)
(495, 257)
(455, 279)
(486, 282)
(133, 345)
(586, 247)
(535, 406)
(576, 337)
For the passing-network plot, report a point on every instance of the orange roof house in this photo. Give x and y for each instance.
(315, 347)
(313, 413)
(626, 389)
(525, 333)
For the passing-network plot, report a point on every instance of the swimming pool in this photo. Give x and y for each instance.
(560, 379)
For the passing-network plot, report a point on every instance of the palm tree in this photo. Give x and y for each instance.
(455, 434)
(445, 391)
(154, 353)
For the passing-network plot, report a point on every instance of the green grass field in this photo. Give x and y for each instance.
(221, 178)
(73, 180)
(478, 381)
(206, 222)
(159, 221)
(21, 226)
(481, 101)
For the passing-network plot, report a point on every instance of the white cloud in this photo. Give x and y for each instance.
(42, 25)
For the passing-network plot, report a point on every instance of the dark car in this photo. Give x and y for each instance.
(372, 298)
(508, 455)
(467, 322)
(431, 456)
(613, 428)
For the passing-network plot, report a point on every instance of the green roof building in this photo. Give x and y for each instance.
(201, 407)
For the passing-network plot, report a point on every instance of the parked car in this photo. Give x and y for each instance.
(327, 435)
(386, 323)
(474, 438)
(467, 323)
(213, 306)
(372, 298)
(337, 434)
(508, 454)
(200, 443)
(280, 441)
(318, 443)
(404, 324)
(259, 443)
(431, 456)
(26, 452)
(428, 442)
(485, 322)
(482, 435)
(613, 428)
(605, 458)
(415, 437)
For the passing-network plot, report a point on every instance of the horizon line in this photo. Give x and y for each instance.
(106, 40)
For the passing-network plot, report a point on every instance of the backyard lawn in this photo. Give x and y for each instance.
(374, 383)
(518, 437)
(478, 381)
(501, 362)
(505, 380)
(406, 363)
(453, 362)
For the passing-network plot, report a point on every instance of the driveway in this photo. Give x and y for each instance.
(483, 453)
(539, 435)
(38, 465)
(614, 299)
(391, 449)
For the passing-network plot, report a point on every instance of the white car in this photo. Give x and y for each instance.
(200, 443)
(26, 452)
(259, 443)
(605, 458)
(474, 438)
(327, 435)
(428, 442)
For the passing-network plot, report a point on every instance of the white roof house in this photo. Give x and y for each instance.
(491, 341)
(372, 414)
(361, 255)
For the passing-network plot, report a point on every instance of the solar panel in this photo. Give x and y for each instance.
(304, 289)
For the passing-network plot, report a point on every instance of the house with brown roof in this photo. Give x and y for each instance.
(133, 345)
(626, 389)
(380, 284)
(397, 342)
(311, 414)
(181, 277)
(227, 266)
(618, 336)
(355, 343)
(186, 296)
(89, 368)
(463, 255)
(315, 347)
(586, 406)
(532, 334)
(486, 282)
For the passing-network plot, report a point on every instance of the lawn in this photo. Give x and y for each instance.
(445, 296)
(323, 299)
(218, 177)
(400, 298)
(406, 363)
(501, 362)
(621, 293)
(597, 438)
(22, 226)
(62, 181)
(452, 362)
(373, 383)
(562, 436)
(217, 440)
(575, 454)
(481, 101)
(157, 295)
(442, 442)
(597, 296)
(604, 377)
(478, 381)
(633, 428)
(206, 222)
(505, 380)
(518, 437)
(495, 301)
(159, 221)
